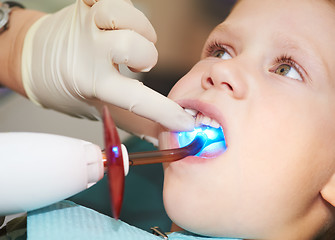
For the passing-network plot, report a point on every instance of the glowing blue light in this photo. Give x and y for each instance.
(116, 151)
(213, 134)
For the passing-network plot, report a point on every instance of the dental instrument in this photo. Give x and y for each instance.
(160, 156)
(118, 159)
(38, 169)
(115, 167)
(215, 138)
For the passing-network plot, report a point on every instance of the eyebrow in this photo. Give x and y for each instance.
(224, 28)
(303, 49)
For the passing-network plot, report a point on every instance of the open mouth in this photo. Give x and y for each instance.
(215, 143)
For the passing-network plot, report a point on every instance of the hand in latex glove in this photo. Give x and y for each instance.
(70, 60)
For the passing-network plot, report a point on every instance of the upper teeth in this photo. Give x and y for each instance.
(191, 111)
(201, 119)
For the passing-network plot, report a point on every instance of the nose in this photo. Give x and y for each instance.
(228, 76)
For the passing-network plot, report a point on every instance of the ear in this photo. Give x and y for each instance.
(328, 191)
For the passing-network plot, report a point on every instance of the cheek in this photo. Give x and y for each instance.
(189, 85)
(286, 152)
(182, 89)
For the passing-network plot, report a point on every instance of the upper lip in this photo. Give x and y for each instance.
(206, 109)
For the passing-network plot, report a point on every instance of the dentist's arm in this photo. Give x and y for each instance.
(70, 62)
(11, 43)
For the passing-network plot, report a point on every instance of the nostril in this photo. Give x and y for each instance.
(224, 84)
(210, 81)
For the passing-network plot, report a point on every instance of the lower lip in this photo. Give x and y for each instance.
(213, 150)
(209, 153)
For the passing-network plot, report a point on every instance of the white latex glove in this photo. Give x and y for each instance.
(70, 60)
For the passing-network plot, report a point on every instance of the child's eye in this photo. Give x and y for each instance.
(288, 71)
(286, 67)
(217, 50)
(223, 54)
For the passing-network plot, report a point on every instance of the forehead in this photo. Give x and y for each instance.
(292, 16)
(256, 6)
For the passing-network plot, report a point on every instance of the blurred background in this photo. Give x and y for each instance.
(182, 28)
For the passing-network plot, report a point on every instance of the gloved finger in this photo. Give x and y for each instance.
(132, 95)
(129, 1)
(129, 48)
(90, 3)
(118, 14)
(132, 123)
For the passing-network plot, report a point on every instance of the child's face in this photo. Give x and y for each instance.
(267, 75)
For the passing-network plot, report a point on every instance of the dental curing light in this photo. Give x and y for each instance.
(118, 160)
(191, 143)
(214, 138)
(56, 167)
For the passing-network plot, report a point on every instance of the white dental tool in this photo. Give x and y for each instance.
(40, 169)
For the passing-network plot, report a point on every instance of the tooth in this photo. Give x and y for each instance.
(191, 111)
(214, 124)
(206, 120)
(198, 120)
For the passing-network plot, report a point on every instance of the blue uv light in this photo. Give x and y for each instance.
(116, 151)
(215, 138)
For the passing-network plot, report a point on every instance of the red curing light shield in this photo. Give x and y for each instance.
(115, 169)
